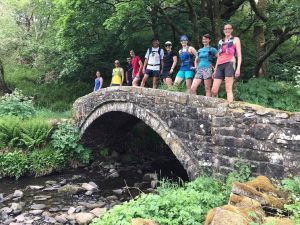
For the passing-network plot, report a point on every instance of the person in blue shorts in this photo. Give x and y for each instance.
(204, 72)
(186, 55)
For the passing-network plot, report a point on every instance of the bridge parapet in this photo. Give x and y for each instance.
(205, 132)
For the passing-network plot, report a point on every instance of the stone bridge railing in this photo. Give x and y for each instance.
(203, 132)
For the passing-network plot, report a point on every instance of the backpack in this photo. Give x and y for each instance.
(210, 56)
(229, 44)
(150, 51)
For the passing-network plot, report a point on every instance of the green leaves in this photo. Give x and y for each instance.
(14, 164)
(186, 205)
(27, 134)
(46, 161)
(16, 104)
(66, 139)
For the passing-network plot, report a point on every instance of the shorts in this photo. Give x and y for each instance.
(136, 77)
(152, 73)
(185, 74)
(225, 70)
(115, 85)
(203, 73)
(166, 74)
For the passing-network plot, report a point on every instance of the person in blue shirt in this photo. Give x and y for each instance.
(98, 81)
(204, 59)
(186, 56)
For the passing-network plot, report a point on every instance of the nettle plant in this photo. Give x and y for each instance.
(67, 139)
(17, 104)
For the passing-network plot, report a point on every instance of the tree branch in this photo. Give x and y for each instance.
(256, 11)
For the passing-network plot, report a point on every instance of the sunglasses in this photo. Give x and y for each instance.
(117, 63)
(168, 45)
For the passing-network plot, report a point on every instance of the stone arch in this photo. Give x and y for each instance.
(184, 156)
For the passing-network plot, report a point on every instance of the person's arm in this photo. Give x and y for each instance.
(122, 73)
(140, 67)
(145, 65)
(196, 62)
(239, 56)
(161, 55)
(101, 82)
(126, 76)
(174, 64)
(111, 79)
(146, 61)
(193, 51)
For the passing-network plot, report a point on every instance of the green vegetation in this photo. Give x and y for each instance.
(16, 104)
(293, 186)
(190, 202)
(45, 161)
(173, 204)
(66, 139)
(31, 142)
(14, 164)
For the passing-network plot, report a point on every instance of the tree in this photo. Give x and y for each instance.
(3, 86)
(283, 22)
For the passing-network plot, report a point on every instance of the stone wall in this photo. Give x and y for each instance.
(205, 133)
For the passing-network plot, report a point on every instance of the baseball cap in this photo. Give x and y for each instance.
(184, 38)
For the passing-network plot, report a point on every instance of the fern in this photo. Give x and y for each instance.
(34, 133)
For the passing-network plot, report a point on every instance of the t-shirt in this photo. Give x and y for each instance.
(154, 58)
(116, 76)
(135, 65)
(205, 54)
(168, 60)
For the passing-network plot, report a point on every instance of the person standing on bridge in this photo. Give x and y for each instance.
(153, 64)
(98, 81)
(170, 62)
(117, 75)
(129, 72)
(137, 67)
(186, 55)
(204, 72)
(225, 68)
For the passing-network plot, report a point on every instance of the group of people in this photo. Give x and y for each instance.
(195, 66)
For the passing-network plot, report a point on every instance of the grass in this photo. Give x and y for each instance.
(54, 96)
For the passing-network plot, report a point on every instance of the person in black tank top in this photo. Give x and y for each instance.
(170, 61)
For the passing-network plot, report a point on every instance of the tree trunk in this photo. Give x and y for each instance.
(194, 19)
(215, 19)
(3, 86)
(281, 39)
(259, 39)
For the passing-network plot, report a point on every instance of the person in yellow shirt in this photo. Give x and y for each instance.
(117, 75)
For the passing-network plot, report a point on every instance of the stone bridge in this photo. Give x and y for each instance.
(202, 132)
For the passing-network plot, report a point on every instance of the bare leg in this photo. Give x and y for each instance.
(178, 80)
(154, 85)
(165, 81)
(169, 81)
(188, 83)
(195, 85)
(207, 85)
(228, 86)
(215, 87)
(144, 80)
(135, 82)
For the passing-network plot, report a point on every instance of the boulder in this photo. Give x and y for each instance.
(69, 189)
(18, 194)
(98, 212)
(84, 218)
(139, 221)
(279, 221)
